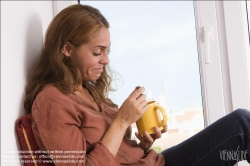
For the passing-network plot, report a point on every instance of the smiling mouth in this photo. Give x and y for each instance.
(99, 70)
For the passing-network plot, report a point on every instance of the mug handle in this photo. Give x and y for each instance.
(163, 114)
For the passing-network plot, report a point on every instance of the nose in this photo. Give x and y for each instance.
(105, 59)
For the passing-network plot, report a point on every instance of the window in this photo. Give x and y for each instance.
(226, 78)
(154, 45)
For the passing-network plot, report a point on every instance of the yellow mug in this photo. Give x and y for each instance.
(151, 118)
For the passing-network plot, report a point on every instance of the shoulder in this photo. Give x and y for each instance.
(50, 91)
(51, 106)
(51, 94)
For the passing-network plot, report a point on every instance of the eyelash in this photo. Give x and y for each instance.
(96, 54)
(108, 51)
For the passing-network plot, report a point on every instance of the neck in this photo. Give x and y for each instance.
(85, 92)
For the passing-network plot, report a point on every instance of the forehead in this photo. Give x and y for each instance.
(102, 39)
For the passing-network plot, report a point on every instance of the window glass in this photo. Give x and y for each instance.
(154, 45)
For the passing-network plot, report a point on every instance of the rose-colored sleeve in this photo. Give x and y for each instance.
(57, 130)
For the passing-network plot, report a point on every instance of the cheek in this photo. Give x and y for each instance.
(87, 66)
(79, 61)
(84, 62)
(84, 65)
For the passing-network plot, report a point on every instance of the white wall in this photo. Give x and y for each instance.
(22, 27)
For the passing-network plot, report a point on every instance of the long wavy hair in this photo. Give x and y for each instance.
(76, 24)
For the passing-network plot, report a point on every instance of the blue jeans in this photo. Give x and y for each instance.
(225, 142)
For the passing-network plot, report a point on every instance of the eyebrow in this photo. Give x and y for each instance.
(102, 46)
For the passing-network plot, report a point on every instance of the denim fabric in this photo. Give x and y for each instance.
(216, 145)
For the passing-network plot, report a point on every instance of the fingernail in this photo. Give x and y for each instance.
(137, 87)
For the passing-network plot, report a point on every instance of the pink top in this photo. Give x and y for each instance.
(70, 130)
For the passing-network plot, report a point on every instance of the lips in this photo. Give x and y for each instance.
(98, 70)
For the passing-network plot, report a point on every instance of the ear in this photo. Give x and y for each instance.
(67, 49)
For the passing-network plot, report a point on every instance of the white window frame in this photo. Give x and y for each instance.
(211, 74)
(226, 79)
(237, 36)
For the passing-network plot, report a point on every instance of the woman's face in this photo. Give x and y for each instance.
(91, 57)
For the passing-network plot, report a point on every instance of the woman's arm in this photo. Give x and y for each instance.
(130, 111)
(114, 135)
(56, 130)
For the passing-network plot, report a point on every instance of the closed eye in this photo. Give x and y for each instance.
(96, 54)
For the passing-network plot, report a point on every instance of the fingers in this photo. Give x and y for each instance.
(137, 93)
(157, 133)
(143, 105)
(146, 138)
(150, 138)
(137, 87)
(146, 141)
(139, 98)
(138, 136)
(165, 129)
(142, 97)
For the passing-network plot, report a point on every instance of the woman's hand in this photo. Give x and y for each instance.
(131, 110)
(147, 140)
(133, 107)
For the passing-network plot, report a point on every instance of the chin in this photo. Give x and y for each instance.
(94, 79)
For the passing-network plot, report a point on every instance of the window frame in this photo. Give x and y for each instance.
(211, 74)
(225, 82)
